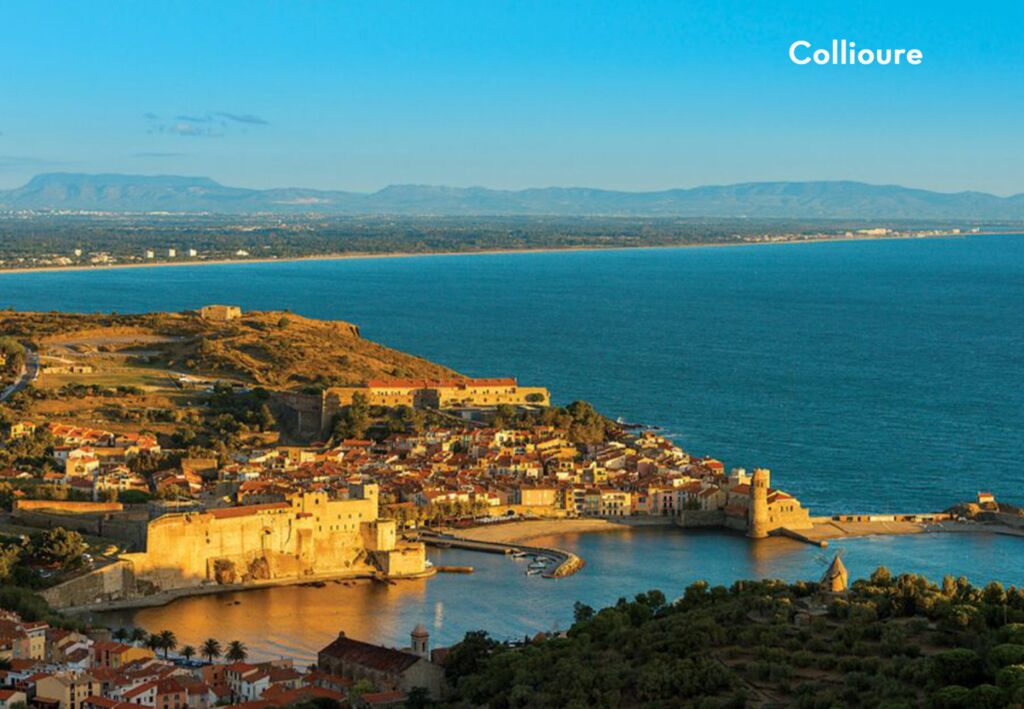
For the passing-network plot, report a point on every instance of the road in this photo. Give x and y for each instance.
(29, 373)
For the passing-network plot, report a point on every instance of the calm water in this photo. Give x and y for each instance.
(885, 375)
(869, 376)
(296, 622)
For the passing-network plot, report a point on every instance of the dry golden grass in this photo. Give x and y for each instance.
(273, 349)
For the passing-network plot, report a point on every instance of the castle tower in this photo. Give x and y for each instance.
(421, 641)
(757, 520)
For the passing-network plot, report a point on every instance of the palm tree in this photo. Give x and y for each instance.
(188, 652)
(211, 649)
(153, 642)
(168, 641)
(237, 652)
(138, 635)
(121, 634)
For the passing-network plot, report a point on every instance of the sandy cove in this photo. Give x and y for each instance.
(521, 531)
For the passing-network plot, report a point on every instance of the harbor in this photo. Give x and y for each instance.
(541, 561)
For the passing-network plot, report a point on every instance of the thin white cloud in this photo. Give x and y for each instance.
(211, 124)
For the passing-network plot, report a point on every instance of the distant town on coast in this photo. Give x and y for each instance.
(71, 221)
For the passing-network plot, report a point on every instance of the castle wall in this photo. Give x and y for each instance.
(438, 396)
(113, 582)
(237, 545)
(304, 414)
(311, 535)
(404, 560)
(700, 518)
(68, 506)
(130, 532)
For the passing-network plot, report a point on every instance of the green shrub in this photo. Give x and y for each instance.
(987, 696)
(959, 667)
(952, 697)
(1004, 655)
(1011, 678)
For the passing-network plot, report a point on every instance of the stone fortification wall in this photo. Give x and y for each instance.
(113, 582)
(310, 536)
(68, 506)
(700, 518)
(129, 532)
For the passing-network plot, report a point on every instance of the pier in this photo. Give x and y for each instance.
(566, 564)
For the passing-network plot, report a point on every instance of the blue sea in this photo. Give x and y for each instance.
(869, 376)
(883, 376)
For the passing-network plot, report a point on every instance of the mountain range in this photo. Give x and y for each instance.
(785, 200)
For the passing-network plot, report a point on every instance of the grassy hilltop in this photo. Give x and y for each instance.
(154, 372)
(271, 349)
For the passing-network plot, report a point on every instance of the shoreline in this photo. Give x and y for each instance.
(364, 255)
(526, 530)
(165, 598)
(823, 529)
(521, 531)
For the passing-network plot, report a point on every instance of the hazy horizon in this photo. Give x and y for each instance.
(369, 191)
(604, 95)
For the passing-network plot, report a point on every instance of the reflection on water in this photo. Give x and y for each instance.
(296, 621)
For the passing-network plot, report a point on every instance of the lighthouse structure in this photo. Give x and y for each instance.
(757, 520)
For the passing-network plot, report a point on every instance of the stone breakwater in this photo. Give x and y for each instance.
(565, 563)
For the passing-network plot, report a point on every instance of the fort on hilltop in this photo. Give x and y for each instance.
(439, 393)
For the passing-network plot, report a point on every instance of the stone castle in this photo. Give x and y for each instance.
(311, 536)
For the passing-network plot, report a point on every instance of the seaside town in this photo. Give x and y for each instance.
(59, 668)
(170, 254)
(102, 518)
(99, 526)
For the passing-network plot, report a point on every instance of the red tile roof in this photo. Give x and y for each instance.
(379, 658)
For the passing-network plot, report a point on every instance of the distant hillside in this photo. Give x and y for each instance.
(782, 200)
(268, 348)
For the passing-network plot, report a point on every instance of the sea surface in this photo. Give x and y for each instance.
(869, 376)
(499, 597)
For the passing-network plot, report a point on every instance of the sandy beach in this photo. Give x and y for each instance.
(824, 529)
(516, 532)
(486, 252)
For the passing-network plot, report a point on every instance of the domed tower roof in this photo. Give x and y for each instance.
(420, 631)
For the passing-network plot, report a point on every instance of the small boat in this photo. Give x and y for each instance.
(519, 555)
(538, 566)
(532, 571)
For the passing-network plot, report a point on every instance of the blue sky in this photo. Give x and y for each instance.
(621, 95)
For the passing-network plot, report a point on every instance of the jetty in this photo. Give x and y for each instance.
(565, 563)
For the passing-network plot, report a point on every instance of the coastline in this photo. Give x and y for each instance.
(167, 597)
(521, 531)
(824, 528)
(361, 255)
(525, 530)
(827, 529)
